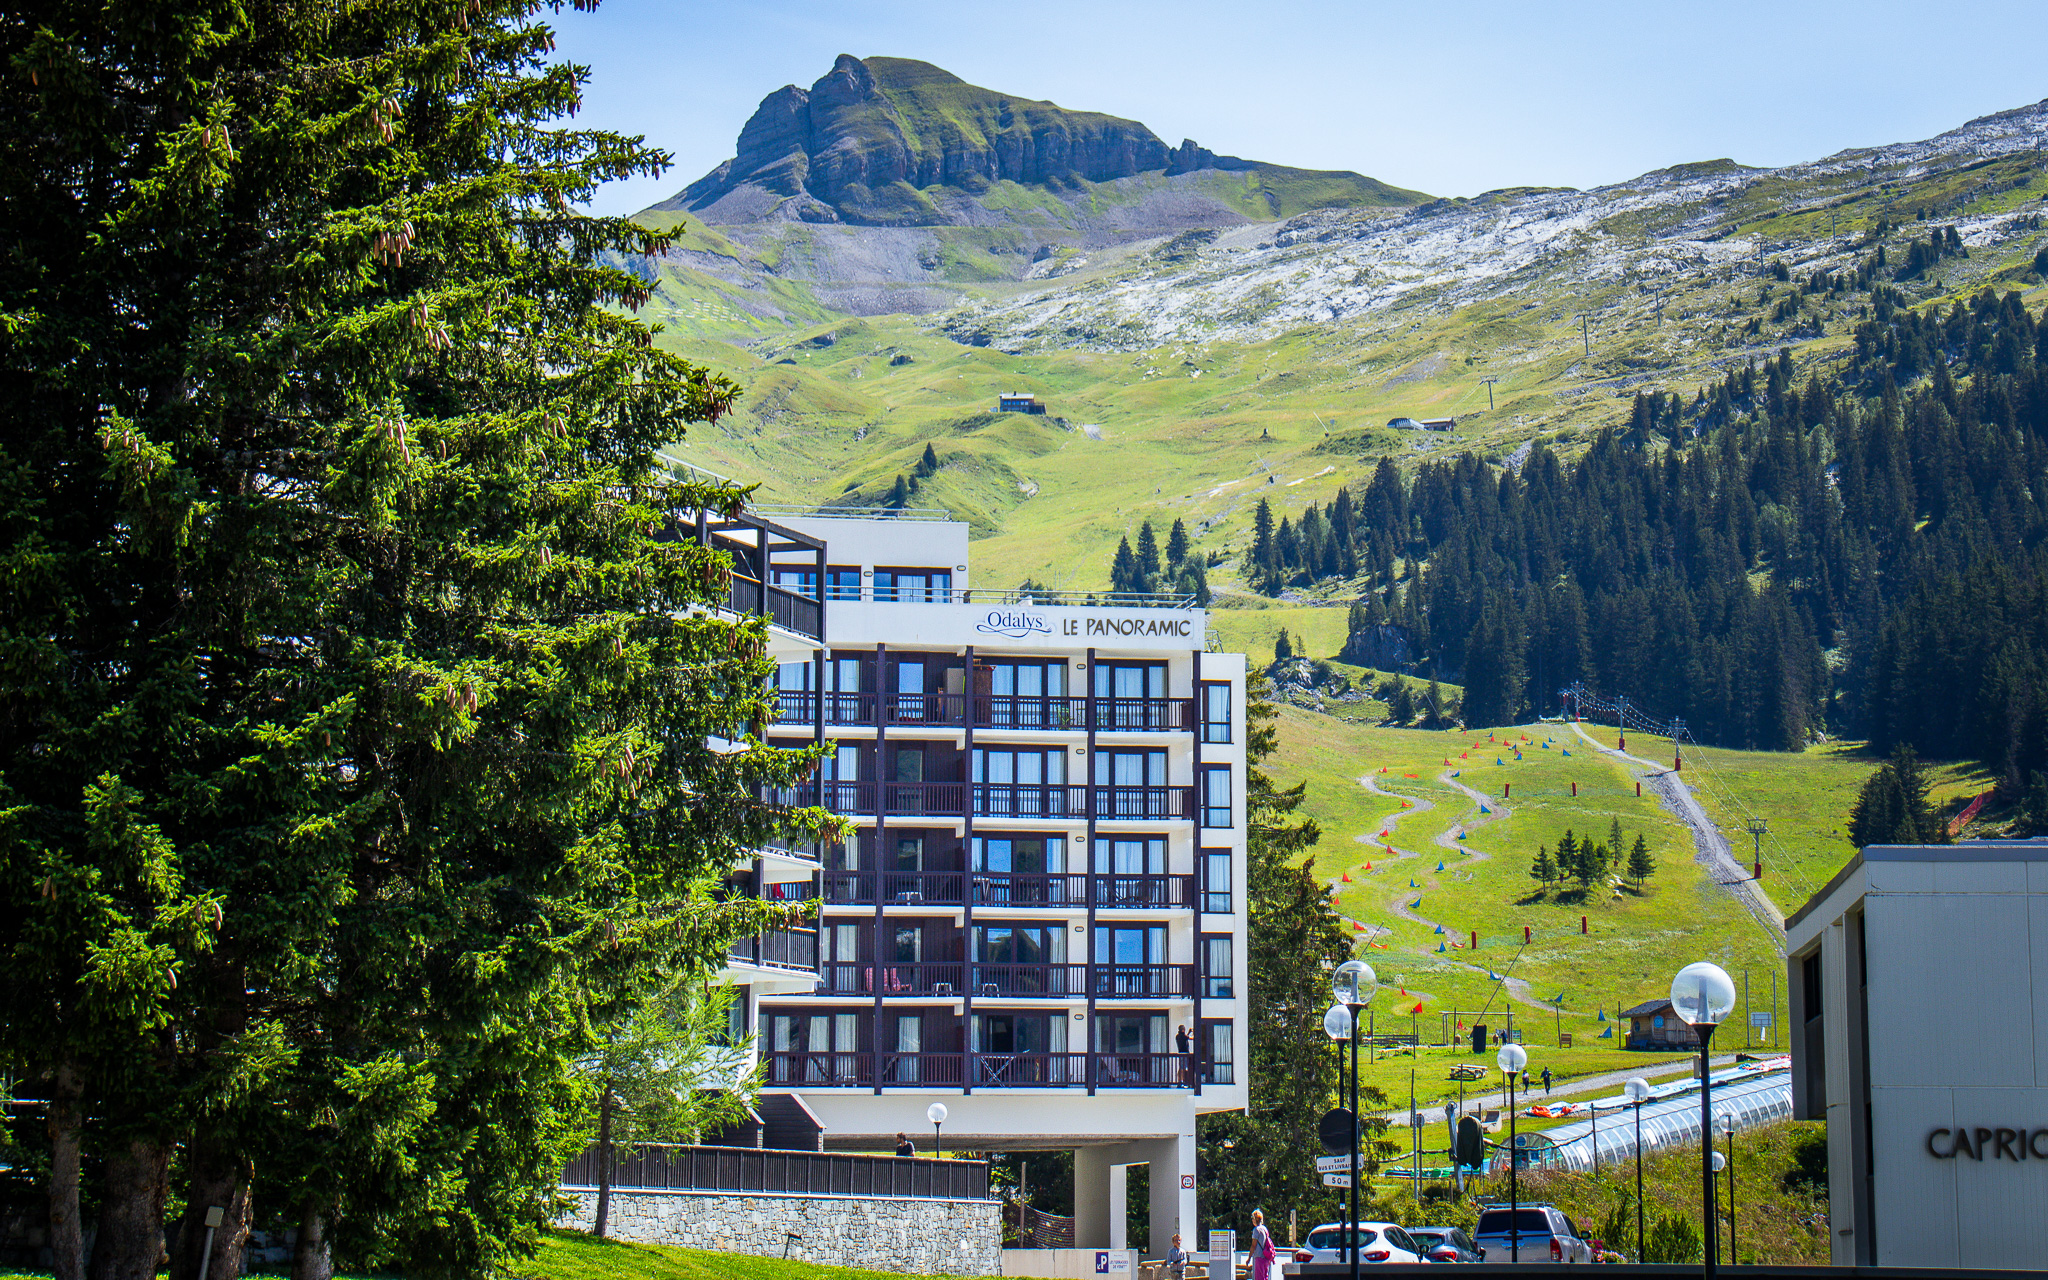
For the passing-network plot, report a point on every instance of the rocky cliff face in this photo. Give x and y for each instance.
(892, 142)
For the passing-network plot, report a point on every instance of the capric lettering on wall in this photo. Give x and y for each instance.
(1978, 1143)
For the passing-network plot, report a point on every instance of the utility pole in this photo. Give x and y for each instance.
(1586, 332)
(1489, 392)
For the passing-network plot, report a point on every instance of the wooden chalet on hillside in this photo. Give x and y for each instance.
(1656, 1026)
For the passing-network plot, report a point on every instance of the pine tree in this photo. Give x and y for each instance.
(899, 493)
(1177, 544)
(1640, 865)
(1148, 555)
(1253, 1157)
(1283, 646)
(341, 567)
(1892, 807)
(1543, 870)
(929, 463)
(1570, 863)
(1401, 707)
(1614, 837)
(1123, 570)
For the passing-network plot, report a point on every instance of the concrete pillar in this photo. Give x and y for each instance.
(1173, 1190)
(1116, 1205)
(1091, 1198)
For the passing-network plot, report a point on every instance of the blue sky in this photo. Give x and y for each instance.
(1449, 98)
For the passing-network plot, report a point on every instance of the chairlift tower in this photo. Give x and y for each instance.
(1757, 831)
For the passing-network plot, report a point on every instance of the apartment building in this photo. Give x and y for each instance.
(1038, 919)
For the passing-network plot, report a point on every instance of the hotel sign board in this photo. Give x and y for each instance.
(1016, 626)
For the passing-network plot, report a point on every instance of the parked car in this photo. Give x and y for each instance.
(1377, 1242)
(1445, 1244)
(1540, 1233)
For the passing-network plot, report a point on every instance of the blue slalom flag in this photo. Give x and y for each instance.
(1605, 1034)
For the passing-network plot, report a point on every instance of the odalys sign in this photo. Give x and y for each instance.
(1018, 624)
(1024, 626)
(1988, 1143)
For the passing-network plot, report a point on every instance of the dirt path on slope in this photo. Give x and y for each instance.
(1710, 847)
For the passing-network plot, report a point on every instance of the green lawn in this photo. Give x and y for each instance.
(571, 1255)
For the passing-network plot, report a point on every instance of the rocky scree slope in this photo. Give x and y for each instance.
(1674, 229)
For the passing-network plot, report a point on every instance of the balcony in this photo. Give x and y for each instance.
(778, 949)
(984, 1070)
(744, 1171)
(944, 979)
(785, 609)
(1059, 891)
(939, 979)
(993, 800)
(954, 711)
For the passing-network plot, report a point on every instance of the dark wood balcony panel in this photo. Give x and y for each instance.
(1144, 981)
(1022, 800)
(786, 609)
(1068, 803)
(945, 888)
(1145, 892)
(984, 1070)
(1141, 804)
(940, 978)
(948, 710)
(1043, 714)
(1026, 889)
(779, 948)
(742, 1169)
(1143, 715)
(1029, 981)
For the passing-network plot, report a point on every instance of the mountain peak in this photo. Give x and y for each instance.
(897, 142)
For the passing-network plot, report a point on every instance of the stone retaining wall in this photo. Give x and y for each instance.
(921, 1237)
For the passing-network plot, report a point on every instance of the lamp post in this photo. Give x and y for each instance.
(1513, 1059)
(1728, 1128)
(1354, 984)
(1638, 1090)
(1703, 995)
(936, 1113)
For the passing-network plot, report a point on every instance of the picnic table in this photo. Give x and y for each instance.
(1468, 1071)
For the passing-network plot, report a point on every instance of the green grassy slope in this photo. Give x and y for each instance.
(571, 1255)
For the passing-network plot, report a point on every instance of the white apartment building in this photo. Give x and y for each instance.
(1919, 981)
(1039, 919)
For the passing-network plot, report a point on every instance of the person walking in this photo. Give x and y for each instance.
(1176, 1260)
(1263, 1251)
(1546, 1082)
(904, 1146)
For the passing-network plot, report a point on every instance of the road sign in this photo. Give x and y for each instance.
(1338, 1130)
(1761, 1021)
(1336, 1179)
(1334, 1164)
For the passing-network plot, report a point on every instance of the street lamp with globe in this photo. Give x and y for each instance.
(936, 1113)
(1513, 1059)
(1353, 984)
(1703, 995)
(1638, 1091)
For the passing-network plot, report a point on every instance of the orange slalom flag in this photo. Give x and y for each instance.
(1417, 1008)
(1347, 879)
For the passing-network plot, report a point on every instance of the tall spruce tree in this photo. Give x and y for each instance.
(1148, 555)
(1892, 807)
(1257, 1158)
(353, 763)
(1177, 544)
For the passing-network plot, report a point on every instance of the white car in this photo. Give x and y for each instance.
(1377, 1242)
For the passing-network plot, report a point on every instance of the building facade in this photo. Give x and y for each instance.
(1038, 917)
(1919, 981)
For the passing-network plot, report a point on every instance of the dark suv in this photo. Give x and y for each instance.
(1532, 1233)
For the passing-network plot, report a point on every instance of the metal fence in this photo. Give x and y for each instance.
(745, 1170)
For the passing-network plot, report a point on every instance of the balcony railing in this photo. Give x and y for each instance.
(779, 949)
(805, 1173)
(786, 609)
(913, 978)
(1006, 889)
(989, 711)
(996, 981)
(1143, 981)
(985, 1070)
(994, 800)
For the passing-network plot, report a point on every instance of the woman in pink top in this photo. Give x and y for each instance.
(1262, 1247)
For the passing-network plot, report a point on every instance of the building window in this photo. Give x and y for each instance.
(1219, 1061)
(1216, 881)
(803, 582)
(842, 583)
(1218, 975)
(1026, 783)
(1216, 713)
(1216, 796)
(1133, 784)
(913, 586)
